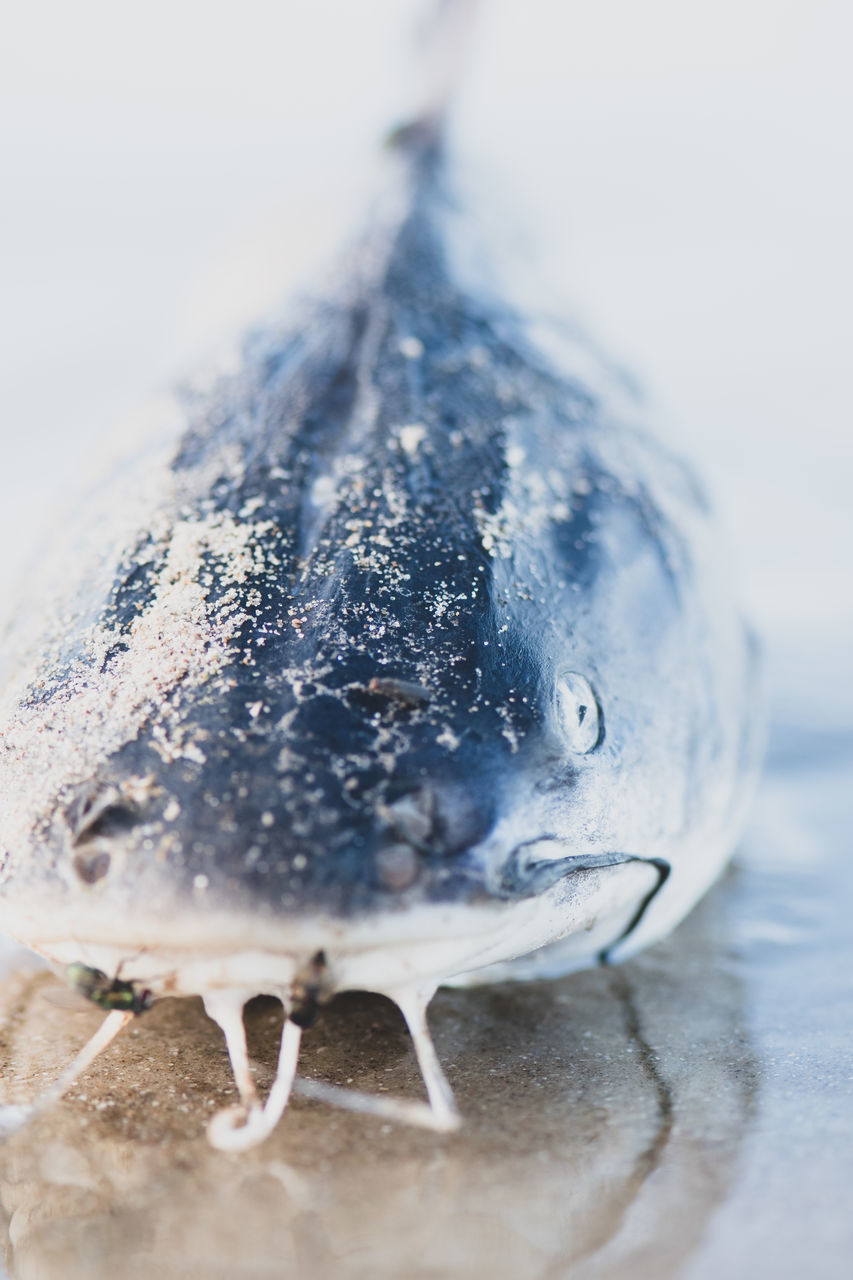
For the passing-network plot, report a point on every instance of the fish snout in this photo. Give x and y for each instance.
(324, 833)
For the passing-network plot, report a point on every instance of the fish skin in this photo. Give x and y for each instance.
(397, 486)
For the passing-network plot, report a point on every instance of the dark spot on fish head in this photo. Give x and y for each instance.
(92, 869)
(397, 866)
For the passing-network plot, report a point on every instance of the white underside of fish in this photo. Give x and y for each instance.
(421, 947)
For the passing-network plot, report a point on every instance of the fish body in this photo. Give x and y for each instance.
(397, 649)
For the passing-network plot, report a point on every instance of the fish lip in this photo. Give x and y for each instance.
(522, 875)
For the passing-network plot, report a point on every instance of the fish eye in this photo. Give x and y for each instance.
(578, 713)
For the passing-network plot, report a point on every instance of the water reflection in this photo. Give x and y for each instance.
(604, 1114)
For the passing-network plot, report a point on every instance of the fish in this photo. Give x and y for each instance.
(397, 658)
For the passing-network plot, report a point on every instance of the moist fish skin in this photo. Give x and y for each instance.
(397, 659)
(397, 490)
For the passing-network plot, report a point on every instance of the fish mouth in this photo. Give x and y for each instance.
(428, 942)
(542, 861)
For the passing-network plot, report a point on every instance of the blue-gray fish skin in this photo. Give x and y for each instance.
(400, 619)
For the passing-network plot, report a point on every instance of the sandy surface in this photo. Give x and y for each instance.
(595, 1106)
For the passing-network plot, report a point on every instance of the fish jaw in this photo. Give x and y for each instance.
(386, 953)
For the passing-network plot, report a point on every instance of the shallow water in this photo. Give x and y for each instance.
(689, 1113)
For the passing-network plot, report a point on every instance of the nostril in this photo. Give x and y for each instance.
(108, 809)
(412, 816)
(443, 819)
(388, 696)
(406, 692)
(111, 820)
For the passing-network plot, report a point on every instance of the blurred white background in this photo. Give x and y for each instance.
(167, 170)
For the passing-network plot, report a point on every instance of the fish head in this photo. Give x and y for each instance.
(410, 627)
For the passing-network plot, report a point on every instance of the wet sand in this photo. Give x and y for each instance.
(686, 1114)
